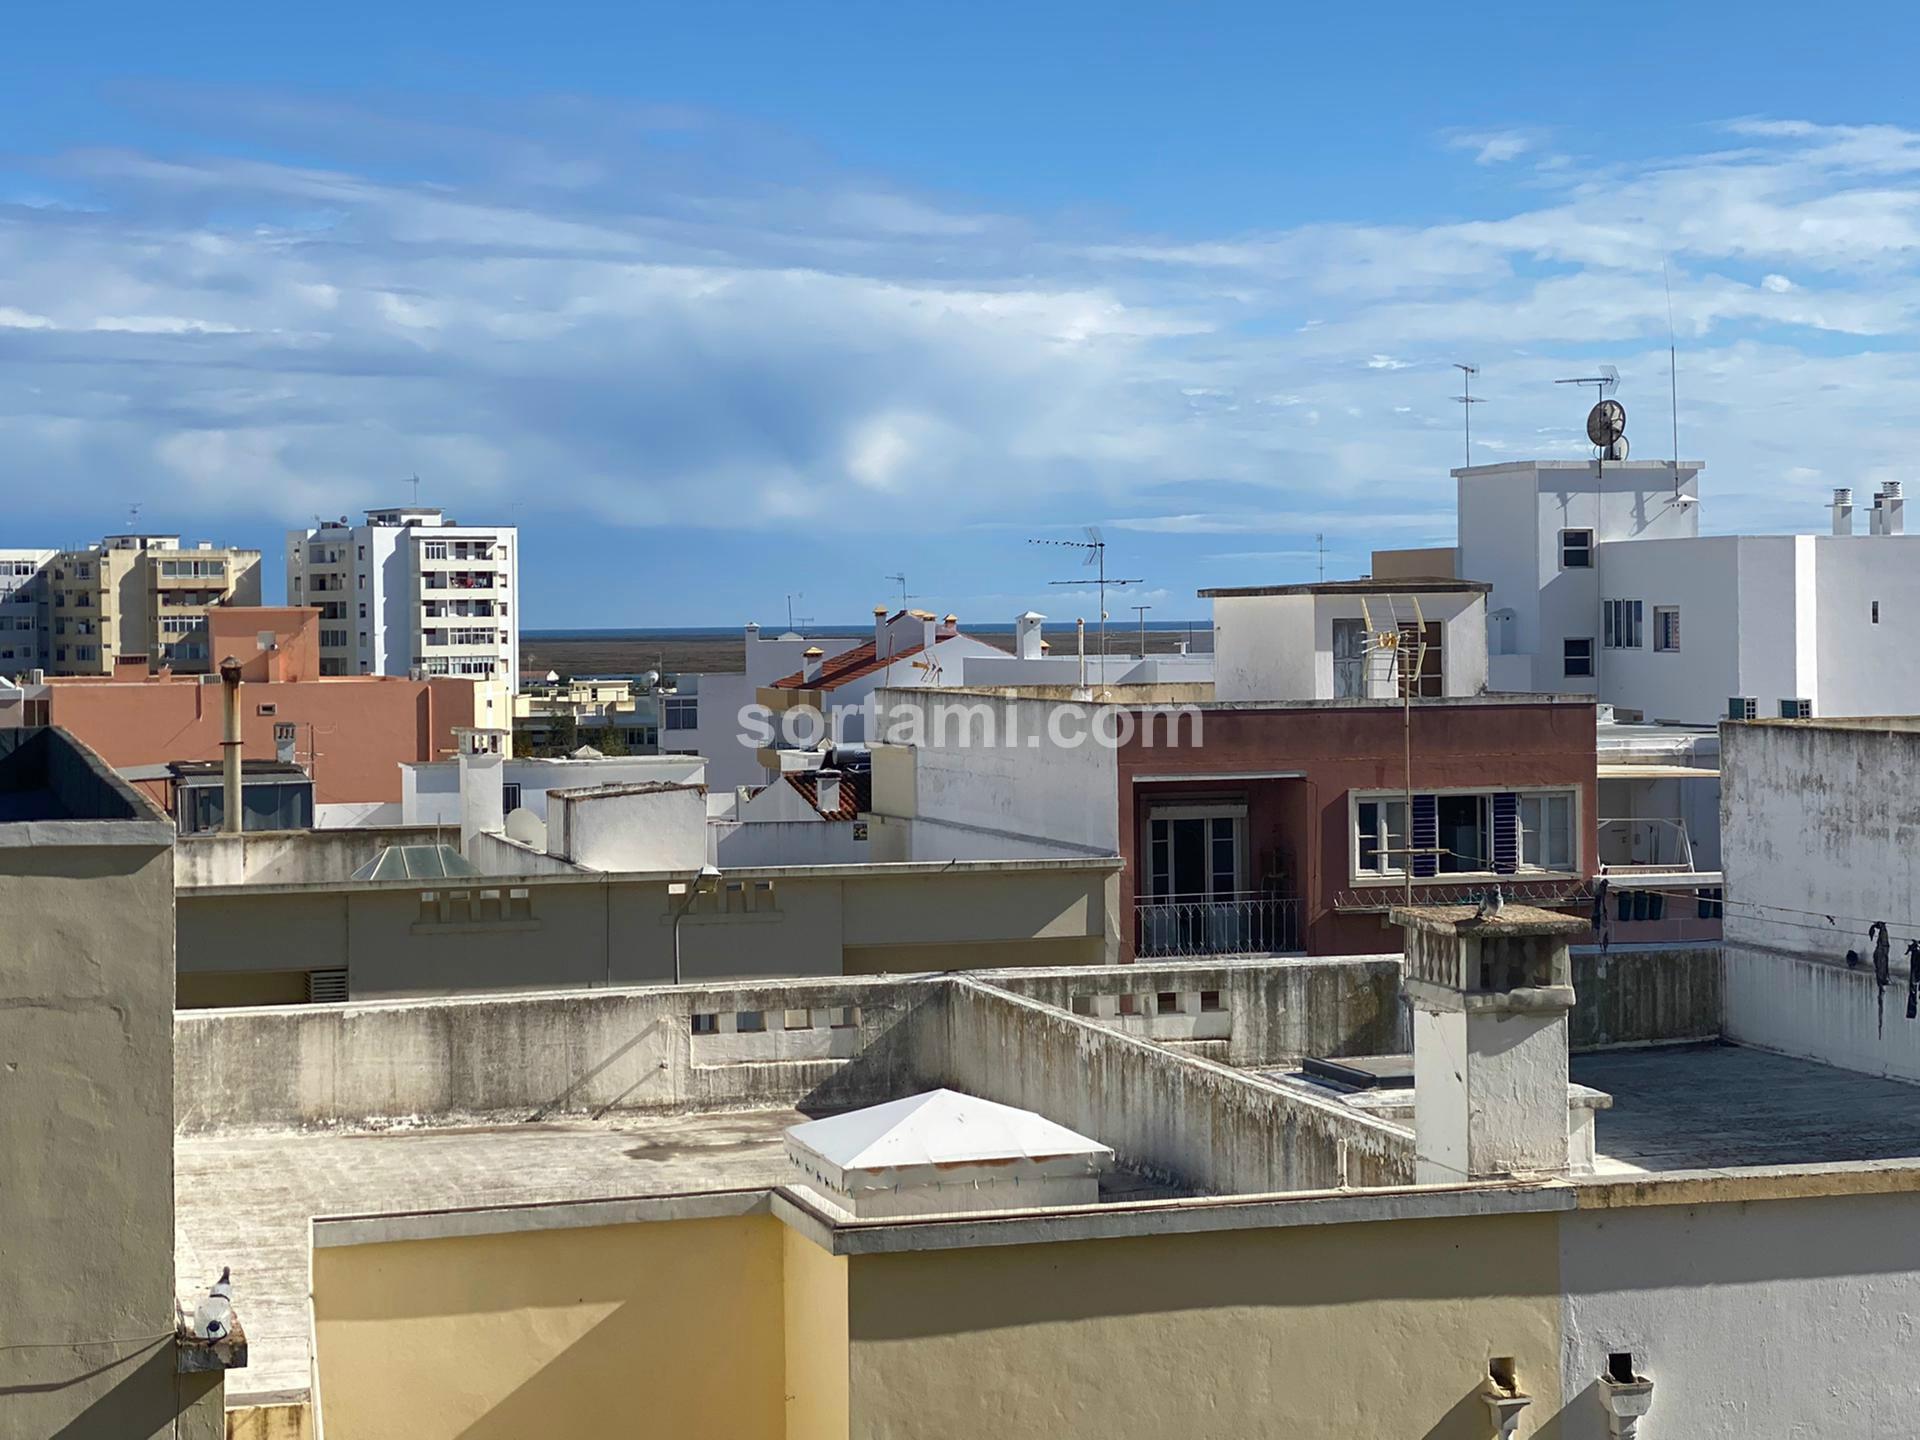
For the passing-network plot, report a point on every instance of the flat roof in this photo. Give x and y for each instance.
(245, 1198)
(1415, 586)
(1717, 1106)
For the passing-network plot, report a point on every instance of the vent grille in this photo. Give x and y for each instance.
(1743, 707)
(326, 987)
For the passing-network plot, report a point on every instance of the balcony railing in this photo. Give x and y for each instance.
(1224, 924)
(1645, 845)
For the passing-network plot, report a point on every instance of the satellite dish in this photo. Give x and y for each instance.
(1607, 425)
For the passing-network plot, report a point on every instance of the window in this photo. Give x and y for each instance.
(1621, 624)
(1381, 841)
(363, 611)
(1576, 658)
(682, 712)
(1796, 709)
(1876, 612)
(845, 1017)
(1465, 835)
(706, 1024)
(1666, 627)
(1349, 659)
(1743, 707)
(509, 797)
(1710, 904)
(797, 1020)
(750, 1022)
(434, 549)
(1210, 1002)
(1167, 1002)
(1576, 549)
(1082, 1004)
(1419, 658)
(1546, 832)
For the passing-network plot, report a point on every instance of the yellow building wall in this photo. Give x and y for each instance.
(1350, 1332)
(669, 1329)
(205, 989)
(816, 1340)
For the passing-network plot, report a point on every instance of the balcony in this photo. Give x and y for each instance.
(1221, 924)
(1648, 845)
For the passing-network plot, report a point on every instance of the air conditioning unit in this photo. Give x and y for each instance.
(1796, 709)
(1743, 707)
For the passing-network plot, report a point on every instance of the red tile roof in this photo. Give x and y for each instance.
(856, 793)
(847, 666)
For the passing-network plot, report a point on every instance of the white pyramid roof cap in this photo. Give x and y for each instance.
(941, 1127)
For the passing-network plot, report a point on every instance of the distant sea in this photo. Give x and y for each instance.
(733, 632)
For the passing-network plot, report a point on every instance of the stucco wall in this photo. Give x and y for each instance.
(1780, 1317)
(817, 1370)
(86, 1124)
(1216, 1128)
(1639, 997)
(669, 1328)
(1819, 820)
(1337, 1330)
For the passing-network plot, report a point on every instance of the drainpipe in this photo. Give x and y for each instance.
(231, 821)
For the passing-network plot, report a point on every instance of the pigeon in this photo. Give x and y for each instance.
(213, 1316)
(1491, 904)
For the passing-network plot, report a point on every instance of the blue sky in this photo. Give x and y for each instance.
(722, 302)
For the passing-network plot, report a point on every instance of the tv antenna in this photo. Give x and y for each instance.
(1095, 546)
(415, 482)
(133, 517)
(795, 622)
(1468, 400)
(1673, 382)
(1141, 611)
(901, 581)
(1607, 421)
(1320, 552)
(1401, 641)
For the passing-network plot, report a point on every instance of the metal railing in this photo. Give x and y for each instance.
(1651, 844)
(1221, 924)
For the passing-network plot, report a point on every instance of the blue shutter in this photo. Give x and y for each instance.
(1506, 833)
(1426, 837)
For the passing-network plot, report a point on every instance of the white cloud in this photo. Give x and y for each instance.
(1778, 284)
(1493, 147)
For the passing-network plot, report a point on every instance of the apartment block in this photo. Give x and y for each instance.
(146, 596)
(412, 590)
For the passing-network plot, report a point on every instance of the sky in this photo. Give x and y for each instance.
(725, 304)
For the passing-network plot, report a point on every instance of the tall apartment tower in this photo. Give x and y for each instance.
(411, 590)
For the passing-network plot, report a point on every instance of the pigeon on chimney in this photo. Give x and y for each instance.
(1491, 904)
(213, 1316)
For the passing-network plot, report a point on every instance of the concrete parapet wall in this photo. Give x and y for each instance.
(291, 857)
(537, 1055)
(1817, 1008)
(1257, 1011)
(1216, 1128)
(1646, 997)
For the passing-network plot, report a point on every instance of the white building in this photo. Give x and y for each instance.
(24, 610)
(411, 590)
(1603, 585)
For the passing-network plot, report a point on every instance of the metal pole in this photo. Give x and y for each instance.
(230, 746)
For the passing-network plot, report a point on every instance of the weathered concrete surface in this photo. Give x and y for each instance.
(1713, 1106)
(1218, 1129)
(538, 1055)
(1641, 996)
(292, 857)
(246, 1199)
(1277, 1010)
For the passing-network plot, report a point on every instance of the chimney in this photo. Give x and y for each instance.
(1893, 510)
(1027, 643)
(753, 632)
(1491, 989)
(881, 650)
(923, 627)
(949, 627)
(810, 660)
(1877, 518)
(483, 800)
(827, 783)
(232, 816)
(1842, 510)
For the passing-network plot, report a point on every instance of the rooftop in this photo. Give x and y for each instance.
(1415, 586)
(244, 1199)
(1716, 1106)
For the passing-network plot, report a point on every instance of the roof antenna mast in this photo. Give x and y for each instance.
(1673, 376)
(1468, 400)
(1096, 547)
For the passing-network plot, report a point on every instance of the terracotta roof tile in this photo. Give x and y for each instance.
(847, 666)
(856, 792)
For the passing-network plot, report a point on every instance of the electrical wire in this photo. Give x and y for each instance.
(86, 1344)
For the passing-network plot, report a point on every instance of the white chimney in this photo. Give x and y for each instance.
(881, 649)
(483, 800)
(1490, 990)
(1026, 635)
(1877, 518)
(810, 661)
(1893, 510)
(1842, 510)
(753, 632)
(827, 783)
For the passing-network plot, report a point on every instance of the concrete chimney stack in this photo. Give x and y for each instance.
(1876, 517)
(810, 662)
(827, 790)
(1491, 989)
(881, 649)
(483, 796)
(1842, 511)
(1027, 643)
(233, 816)
(1893, 510)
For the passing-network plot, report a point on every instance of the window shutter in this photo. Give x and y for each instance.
(1426, 836)
(1506, 833)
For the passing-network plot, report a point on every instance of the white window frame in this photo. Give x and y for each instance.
(1391, 865)
(1585, 548)
(1566, 659)
(1661, 615)
(1621, 624)
(1537, 793)
(1171, 810)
